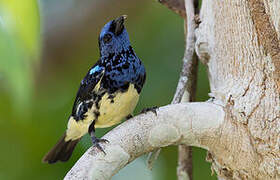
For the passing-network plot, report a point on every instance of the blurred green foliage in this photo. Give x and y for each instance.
(19, 48)
(22, 19)
(69, 48)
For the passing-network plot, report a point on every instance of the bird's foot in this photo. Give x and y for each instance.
(128, 117)
(153, 109)
(96, 143)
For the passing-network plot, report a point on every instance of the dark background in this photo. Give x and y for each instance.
(46, 54)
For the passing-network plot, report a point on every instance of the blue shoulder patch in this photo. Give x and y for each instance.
(95, 69)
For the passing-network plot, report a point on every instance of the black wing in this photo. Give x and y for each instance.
(84, 95)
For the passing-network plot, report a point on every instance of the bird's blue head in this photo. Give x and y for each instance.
(113, 37)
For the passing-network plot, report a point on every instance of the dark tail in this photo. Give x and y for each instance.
(61, 151)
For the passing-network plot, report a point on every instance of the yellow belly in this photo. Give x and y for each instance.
(111, 113)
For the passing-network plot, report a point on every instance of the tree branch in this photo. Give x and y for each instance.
(187, 60)
(189, 74)
(184, 169)
(178, 6)
(185, 123)
(187, 80)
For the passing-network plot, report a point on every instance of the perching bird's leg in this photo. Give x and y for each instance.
(153, 109)
(94, 139)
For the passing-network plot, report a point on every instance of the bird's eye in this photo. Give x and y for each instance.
(107, 38)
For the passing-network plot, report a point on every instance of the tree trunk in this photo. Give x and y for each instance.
(239, 42)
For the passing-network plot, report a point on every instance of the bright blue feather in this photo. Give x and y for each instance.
(95, 69)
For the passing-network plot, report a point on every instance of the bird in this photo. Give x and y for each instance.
(108, 93)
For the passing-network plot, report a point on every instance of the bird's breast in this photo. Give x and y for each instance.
(114, 107)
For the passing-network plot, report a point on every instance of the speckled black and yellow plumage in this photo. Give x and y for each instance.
(108, 93)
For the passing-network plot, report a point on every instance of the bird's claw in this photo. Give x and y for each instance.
(103, 141)
(128, 117)
(152, 109)
(96, 143)
(99, 148)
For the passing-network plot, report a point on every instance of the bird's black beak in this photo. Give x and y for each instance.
(119, 24)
